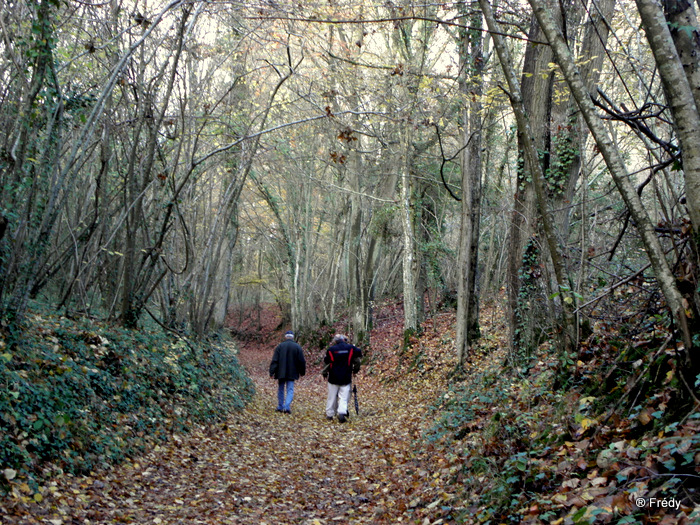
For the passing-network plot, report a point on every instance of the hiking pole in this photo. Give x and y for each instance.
(357, 405)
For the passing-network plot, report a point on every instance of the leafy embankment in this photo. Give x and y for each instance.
(76, 396)
(609, 435)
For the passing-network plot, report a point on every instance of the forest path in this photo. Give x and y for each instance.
(265, 467)
(303, 468)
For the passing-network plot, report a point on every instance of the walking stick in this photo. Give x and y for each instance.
(357, 405)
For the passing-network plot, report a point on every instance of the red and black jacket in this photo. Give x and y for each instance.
(340, 357)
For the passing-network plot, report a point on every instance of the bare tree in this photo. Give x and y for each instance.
(472, 69)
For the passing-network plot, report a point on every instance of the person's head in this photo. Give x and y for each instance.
(339, 338)
(289, 334)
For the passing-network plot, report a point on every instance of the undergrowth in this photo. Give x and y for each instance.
(77, 395)
(594, 443)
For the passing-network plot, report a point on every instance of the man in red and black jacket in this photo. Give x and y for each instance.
(343, 360)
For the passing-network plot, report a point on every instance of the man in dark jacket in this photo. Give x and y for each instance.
(287, 365)
(343, 360)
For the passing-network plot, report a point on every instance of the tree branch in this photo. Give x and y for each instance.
(437, 21)
(445, 161)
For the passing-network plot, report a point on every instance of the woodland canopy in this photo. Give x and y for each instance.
(179, 159)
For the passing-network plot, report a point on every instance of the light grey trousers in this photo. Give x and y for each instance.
(338, 399)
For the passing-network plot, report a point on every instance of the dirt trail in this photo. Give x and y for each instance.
(302, 468)
(264, 467)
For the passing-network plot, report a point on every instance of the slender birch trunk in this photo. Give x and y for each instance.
(409, 241)
(679, 96)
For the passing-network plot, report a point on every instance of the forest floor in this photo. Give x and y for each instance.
(426, 448)
(265, 467)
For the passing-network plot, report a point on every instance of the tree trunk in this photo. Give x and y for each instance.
(671, 57)
(410, 301)
(531, 159)
(522, 228)
(471, 86)
(356, 295)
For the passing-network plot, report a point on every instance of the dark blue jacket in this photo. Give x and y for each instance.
(288, 361)
(340, 357)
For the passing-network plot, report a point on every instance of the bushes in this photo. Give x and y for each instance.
(76, 396)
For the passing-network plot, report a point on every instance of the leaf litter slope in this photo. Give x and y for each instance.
(264, 467)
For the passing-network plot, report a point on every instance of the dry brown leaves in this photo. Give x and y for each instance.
(266, 467)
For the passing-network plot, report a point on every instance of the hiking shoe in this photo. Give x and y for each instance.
(329, 418)
(287, 411)
(278, 410)
(342, 418)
